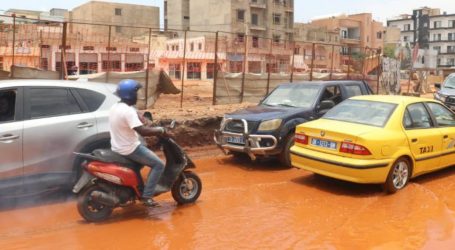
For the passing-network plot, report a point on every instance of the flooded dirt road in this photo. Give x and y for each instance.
(254, 206)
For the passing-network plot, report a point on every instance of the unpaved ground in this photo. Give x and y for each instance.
(254, 206)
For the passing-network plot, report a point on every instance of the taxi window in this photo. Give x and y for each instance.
(417, 117)
(444, 117)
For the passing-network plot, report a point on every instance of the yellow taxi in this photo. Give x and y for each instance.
(377, 139)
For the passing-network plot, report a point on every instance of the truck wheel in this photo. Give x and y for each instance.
(285, 155)
(187, 190)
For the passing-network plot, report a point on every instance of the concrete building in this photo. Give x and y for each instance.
(327, 40)
(33, 16)
(272, 19)
(430, 29)
(116, 14)
(176, 14)
(357, 32)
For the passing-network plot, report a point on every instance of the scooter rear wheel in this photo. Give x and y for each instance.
(91, 210)
(187, 190)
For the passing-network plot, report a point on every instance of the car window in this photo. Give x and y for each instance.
(332, 93)
(92, 99)
(444, 117)
(48, 102)
(362, 112)
(352, 90)
(418, 117)
(7, 105)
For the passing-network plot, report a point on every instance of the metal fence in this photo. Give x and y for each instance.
(209, 67)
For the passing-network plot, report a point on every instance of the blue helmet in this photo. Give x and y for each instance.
(127, 90)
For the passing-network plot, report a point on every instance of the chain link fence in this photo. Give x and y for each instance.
(208, 67)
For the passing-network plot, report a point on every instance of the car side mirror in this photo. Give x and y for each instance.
(172, 125)
(148, 116)
(437, 85)
(326, 105)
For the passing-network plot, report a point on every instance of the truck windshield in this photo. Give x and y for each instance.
(450, 82)
(296, 95)
(363, 112)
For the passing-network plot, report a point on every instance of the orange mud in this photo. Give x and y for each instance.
(248, 205)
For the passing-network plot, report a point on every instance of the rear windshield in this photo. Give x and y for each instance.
(362, 112)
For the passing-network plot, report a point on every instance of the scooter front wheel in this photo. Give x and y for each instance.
(91, 210)
(187, 188)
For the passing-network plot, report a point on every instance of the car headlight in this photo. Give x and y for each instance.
(270, 125)
(440, 97)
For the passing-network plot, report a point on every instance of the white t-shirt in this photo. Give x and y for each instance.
(122, 121)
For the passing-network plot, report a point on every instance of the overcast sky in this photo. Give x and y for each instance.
(305, 10)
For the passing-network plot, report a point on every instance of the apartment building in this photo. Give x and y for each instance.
(259, 18)
(430, 29)
(116, 14)
(327, 48)
(357, 32)
(33, 16)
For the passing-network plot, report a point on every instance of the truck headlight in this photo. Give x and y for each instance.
(440, 97)
(270, 125)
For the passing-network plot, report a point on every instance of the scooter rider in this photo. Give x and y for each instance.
(125, 125)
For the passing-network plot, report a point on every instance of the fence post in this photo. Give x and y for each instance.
(268, 68)
(215, 70)
(40, 49)
(245, 61)
(63, 69)
(313, 55)
(183, 69)
(13, 46)
(363, 62)
(348, 75)
(379, 71)
(293, 61)
(108, 54)
(331, 63)
(147, 71)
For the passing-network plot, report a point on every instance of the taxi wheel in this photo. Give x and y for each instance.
(399, 176)
(285, 156)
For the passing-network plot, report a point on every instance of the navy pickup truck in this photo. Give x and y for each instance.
(268, 128)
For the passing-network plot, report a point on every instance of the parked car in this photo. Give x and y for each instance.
(268, 128)
(42, 122)
(446, 92)
(378, 139)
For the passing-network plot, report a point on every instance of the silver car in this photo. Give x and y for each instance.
(42, 122)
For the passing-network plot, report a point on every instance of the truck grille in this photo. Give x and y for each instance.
(450, 100)
(236, 126)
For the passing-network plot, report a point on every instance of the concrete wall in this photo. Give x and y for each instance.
(104, 12)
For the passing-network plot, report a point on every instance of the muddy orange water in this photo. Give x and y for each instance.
(254, 206)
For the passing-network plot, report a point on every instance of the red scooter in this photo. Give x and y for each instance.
(110, 180)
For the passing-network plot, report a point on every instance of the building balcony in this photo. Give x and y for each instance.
(258, 27)
(442, 41)
(450, 52)
(350, 40)
(258, 4)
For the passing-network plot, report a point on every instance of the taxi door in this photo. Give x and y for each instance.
(425, 140)
(445, 121)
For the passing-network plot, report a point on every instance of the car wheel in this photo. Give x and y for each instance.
(285, 155)
(398, 176)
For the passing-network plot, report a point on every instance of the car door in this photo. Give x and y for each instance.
(423, 136)
(11, 125)
(56, 124)
(445, 120)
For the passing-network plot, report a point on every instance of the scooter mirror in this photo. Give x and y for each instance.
(148, 116)
(172, 124)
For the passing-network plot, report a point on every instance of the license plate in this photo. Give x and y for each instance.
(324, 143)
(235, 140)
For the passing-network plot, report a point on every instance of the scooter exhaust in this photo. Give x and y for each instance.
(105, 199)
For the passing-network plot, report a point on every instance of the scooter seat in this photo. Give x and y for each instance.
(110, 156)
